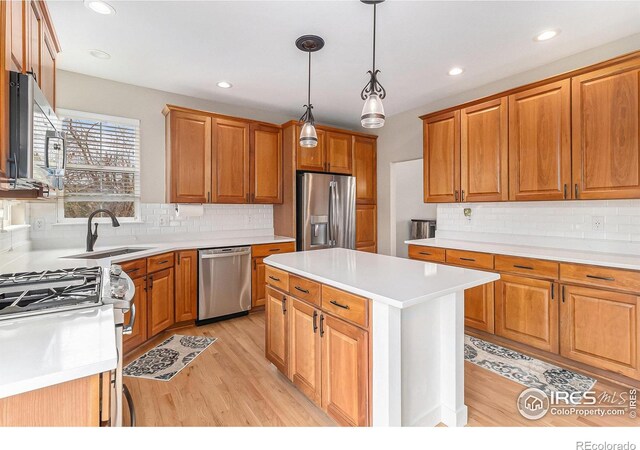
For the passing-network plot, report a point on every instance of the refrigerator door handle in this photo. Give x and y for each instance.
(331, 213)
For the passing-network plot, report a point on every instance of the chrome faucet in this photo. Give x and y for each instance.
(93, 237)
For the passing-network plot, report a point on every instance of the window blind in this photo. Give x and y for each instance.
(103, 165)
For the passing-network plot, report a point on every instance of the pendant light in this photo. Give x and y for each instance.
(373, 92)
(308, 136)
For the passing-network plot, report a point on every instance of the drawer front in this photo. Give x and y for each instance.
(527, 266)
(262, 250)
(470, 259)
(160, 262)
(433, 254)
(276, 278)
(304, 289)
(343, 304)
(623, 280)
(135, 269)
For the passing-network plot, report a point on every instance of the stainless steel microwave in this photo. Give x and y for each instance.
(37, 153)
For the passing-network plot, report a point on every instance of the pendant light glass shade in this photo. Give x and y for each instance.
(372, 112)
(308, 136)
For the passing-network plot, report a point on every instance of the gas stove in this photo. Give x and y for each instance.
(29, 293)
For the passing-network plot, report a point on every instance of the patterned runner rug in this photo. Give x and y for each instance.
(523, 369)
(165, 360)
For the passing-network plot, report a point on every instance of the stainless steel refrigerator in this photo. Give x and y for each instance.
(326, 211)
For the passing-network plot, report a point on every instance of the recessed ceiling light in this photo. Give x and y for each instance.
(99, 54)
(456, 71)
(224, 84)
(546, 35)
(100, 7)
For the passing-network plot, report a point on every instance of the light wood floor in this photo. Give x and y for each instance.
(232, 384)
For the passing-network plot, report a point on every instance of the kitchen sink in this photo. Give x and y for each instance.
(107, 253)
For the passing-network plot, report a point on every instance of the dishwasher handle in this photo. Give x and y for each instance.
(224, 255)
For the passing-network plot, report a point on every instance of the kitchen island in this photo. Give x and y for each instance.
(413, 321)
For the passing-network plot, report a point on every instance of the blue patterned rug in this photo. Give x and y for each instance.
(165, 360)
(523, 369)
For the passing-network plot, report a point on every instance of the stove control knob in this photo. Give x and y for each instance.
(116, 270)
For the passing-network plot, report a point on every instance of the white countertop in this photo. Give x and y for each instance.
(48, 349)
(49, 259)
(554, 254)
(398, 282)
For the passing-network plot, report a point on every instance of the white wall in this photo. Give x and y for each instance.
(401, 137)
(407, 203)
(85, 93)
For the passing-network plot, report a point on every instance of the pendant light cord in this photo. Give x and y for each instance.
(309, 84)
(374, 38)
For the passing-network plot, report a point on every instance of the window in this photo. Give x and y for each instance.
(103, 166)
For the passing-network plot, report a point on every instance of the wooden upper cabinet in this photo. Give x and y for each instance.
(339, 153)
(311, 159)
(345, 369)
(365, 169)
(48, 67)
(484, 152)
(606, 152)
(527, 311)
(16, 34)
(186, 285)
(540, 143)
(602, 329)
(35, 39)
(189, 157)
(230, 161)
(441, 149)
(266, 164)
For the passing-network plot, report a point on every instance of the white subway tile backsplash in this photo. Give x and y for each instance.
(217, 219)
(551, 219)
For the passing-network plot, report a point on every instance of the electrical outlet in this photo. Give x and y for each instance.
(164, 221)
(597, 223)
(39, 224)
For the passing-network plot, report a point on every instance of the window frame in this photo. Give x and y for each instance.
(60, 199)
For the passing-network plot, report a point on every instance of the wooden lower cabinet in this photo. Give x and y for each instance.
(138, 335)
(527, 311)
(601, 328)
(74, 403)
(345, 371)
(160, 295)
(258, 293)
(305, 349)
(326, 357)
(276, 330)
(479, 307)
(186, 285)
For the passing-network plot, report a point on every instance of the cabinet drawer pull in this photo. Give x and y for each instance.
(518, 266)
(333, 302)
(164, 262)
(467, 259)
(301, 290)
(274, 278)
(597, 277)
(315, 321)
(274, 249)
(132, 270)
(425, 253)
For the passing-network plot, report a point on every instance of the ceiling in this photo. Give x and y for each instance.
(186, 47)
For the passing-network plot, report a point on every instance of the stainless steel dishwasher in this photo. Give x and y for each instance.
(224, 283)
